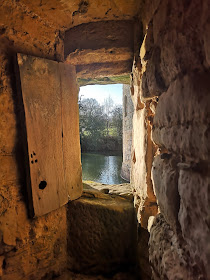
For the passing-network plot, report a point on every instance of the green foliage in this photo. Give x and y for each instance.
(100, 126)
(117, 120)
(92, 121)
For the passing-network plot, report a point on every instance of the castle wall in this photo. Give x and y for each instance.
(29, 248)
(170, 145)
(127, 132)
(171, 124)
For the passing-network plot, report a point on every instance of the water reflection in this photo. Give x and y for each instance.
(102, 168)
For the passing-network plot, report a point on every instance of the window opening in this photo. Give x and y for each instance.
(101, 132)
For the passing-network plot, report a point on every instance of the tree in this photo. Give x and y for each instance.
(92, 122)
(117, 120)
(100, 126)
(108, 106)
(91, 117)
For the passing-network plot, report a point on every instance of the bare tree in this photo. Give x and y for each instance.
(108, 108)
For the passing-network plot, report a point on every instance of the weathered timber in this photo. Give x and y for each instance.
(52, 125)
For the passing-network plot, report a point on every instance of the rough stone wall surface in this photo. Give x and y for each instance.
(127, 132)
(64, 14)
(22, 30)
(143, 150)
(29, 248)
(34, 248)
(102, 233)
(172, 75)
(144, 266)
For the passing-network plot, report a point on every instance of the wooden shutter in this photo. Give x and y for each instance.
(50, 96)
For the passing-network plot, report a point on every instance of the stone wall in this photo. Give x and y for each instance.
(127, 132)
(29, 248)
(170, 164)
(171, 98)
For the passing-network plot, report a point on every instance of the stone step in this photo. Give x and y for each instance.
(102, 235)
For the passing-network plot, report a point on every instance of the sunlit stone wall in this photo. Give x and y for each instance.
(171, 98)
(127, 132)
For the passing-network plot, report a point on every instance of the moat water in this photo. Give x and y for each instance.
(102, 168)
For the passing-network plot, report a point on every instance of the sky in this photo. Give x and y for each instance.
(101, 92)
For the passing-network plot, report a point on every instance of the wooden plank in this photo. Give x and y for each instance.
(41, 83)
(71, 137)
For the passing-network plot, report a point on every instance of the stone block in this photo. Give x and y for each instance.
(139, 142)
(181, 119)
(102, 233)
(172, 31)
(7, 122)
(153, 83)
(90, 56)
(124, 190)
(29, 33)
(141, 163)
(194, 213)
(148, 10)
(8, 169)
(98, 35)
(31, 248)
(1, 265)
(165, 182)
(147, 45)
(167, 254)
(138, 166)
(143, 254)
(169, 47)
(207, 42)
